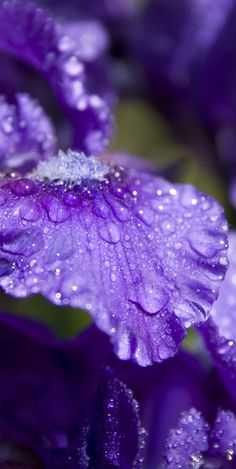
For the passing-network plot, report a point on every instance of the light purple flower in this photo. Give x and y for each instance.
(220, 330)
(68, 61)
(26, 134)
(143, 256)
(194, 444)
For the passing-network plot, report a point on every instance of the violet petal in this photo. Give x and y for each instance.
(122, 245)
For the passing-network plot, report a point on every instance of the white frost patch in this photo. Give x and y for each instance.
(70, 168)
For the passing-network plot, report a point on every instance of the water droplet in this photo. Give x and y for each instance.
(145, 214)
(23, 187)
(73, 66)
(71, 199)
(110, 233)
(100, 208)
(150, 294)
(205, 242)
(120, 211)
(57, 211)
(30, 211)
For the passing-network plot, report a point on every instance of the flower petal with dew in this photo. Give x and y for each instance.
(220, 330)
(143, 256)
(26, 134)
(194, 444)
(30, 34)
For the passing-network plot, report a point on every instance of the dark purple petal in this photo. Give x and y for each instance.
(57, 398)
(187, 442)
(223, 436)
(47, 386)
(113, 436)
(220, 330)
(30, 34)
(26, 134)
(143, 256)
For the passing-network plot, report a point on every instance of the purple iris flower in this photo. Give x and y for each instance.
(58, 400)
(70, 56)
(143, 256)
(219, 331)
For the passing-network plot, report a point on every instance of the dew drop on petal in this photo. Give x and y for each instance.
(57, 211)
(110, 233)
(23, 187)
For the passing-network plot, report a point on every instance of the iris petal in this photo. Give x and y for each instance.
(122, 245)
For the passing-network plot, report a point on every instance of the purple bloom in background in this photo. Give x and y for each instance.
(143, 256)
(219, 331)
(186, 50)
(26, 134)
(70, 56)
(58, 399)
(194, 444)
(104, 10)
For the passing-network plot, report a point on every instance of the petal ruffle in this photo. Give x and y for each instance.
(26, 134)
(123, 246)
(29, 33)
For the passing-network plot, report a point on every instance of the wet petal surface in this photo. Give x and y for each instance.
(26, 134)
(141, 255)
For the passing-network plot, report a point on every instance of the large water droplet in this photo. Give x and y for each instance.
(30, 211)
(150, 295)
(57, 211)
(100, 208)
(206, 243)
(110, 233)
(145, 214)
(120, 211)
(23, 187)
(71, 199)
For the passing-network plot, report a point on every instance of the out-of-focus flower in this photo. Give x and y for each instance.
(58, 400)
(194, 444)
(122, 245)
(219, 331)
(187, 52)
(26, 134)
(104, 10)
(70, 57)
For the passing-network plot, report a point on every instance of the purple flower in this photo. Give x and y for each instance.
(58, 399)
(143, 256)
(70, 57)
(26, 134)
(219, 331)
